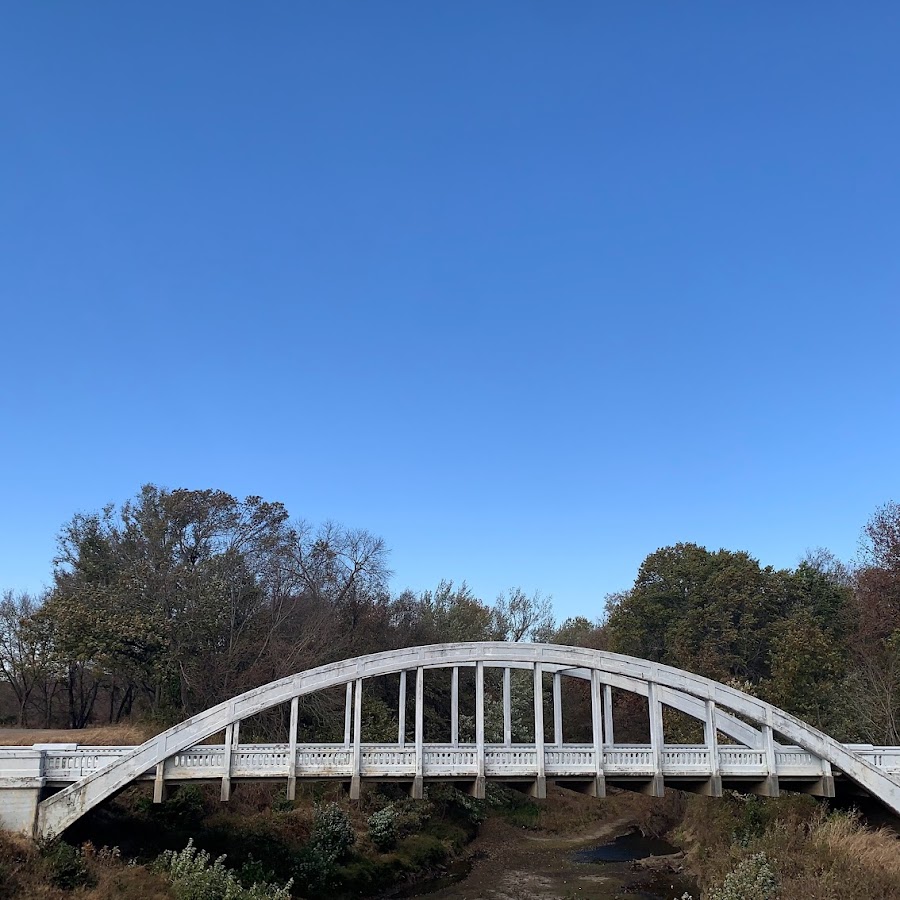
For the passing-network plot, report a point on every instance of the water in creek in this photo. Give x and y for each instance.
(615, 859)
(603, 872)
(625, 848)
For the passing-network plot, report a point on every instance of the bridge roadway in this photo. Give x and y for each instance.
(739, 747)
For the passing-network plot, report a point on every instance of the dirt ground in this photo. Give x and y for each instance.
(515, 863)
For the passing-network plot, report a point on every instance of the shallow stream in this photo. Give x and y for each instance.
(615, 859)
(605, 871)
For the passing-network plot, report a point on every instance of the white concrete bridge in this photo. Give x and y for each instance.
(750, 758)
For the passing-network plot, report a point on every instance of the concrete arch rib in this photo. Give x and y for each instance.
(59, 811)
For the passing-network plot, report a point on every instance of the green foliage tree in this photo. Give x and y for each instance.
(712, 613)
(383, 828)
(782, 634)
(184, 597)
(455, 614)
(578, 631)
(807, 672)
(195, 875)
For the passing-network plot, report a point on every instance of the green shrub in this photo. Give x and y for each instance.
(751, 879)
(383, 828)
(330, 842)
(281, 804)
(423, 851)
(316, 870)
(253, 871)
(183, 811)
(66, 866)
(467, 808)
(454, 835)
(196, 876)
(412, 815)
(332, 832)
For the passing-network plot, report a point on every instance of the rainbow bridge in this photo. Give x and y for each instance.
(748, 758)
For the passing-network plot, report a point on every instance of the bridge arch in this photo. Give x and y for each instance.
(746, 719)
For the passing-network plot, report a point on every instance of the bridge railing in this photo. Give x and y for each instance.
(743, 760)
(569, 759)
(887, 758)
(70, 762)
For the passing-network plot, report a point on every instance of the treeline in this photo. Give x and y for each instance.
(180, 599)
(822, 640)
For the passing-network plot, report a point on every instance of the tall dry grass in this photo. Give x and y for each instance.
(26, 875)
(836, 858)
(817, 854)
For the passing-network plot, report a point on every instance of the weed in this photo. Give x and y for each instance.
(383, 828)
(196, 876)
(752, 879)
(66, 866)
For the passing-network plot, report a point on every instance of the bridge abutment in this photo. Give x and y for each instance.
(18, 812)
(824, 787)
(709, 787)
(22, 787)
(159, 783)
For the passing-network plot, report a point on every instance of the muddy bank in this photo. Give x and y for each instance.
(509, 863)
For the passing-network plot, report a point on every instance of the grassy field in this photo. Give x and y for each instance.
(98, 736)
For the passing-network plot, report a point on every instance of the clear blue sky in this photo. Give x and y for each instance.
(529, 289)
